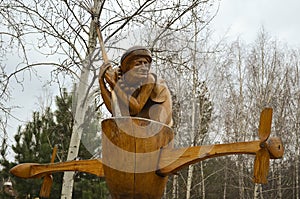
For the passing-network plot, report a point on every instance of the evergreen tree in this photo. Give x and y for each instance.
(35, 141)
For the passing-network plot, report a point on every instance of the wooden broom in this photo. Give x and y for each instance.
(116, 108)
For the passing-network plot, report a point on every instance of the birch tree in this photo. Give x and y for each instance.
(293, 123)
(267, 82)
(61, 35)
(254, 77)
(178, 58)
(296, 118)
(234, 109)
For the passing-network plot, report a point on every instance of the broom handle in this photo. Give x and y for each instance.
(117, 111)
(104, 54)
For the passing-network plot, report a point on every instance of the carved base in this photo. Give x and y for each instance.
(131, 151)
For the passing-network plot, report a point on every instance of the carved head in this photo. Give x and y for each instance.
(135, 65)
(133, 53)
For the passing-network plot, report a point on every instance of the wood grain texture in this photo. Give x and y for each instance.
(261, 166)
(131, 150)
(275, 147)
(33, 170)
(265, 123)
(172, 160)
(48, 179)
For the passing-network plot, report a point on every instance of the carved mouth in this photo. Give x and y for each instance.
(142, 73)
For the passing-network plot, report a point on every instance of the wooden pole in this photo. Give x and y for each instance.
(116, 108)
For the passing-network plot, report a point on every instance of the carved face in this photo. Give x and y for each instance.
(138, 71)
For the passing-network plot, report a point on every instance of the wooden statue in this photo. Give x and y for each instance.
(138, 156)
(137, 143)
(139, 93)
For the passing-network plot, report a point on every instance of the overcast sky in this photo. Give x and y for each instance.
(245, 18)
(236, 18)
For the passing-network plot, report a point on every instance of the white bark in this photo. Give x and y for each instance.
(189, 181)
(297, 172)
(256, 193)
(241, 182)
(191, 167)
(297, 147)
(202, 181)
(279, 188)
(193, 133)
(81, 106)
(261, 192)
(225, 181)
(79, 115)
(297, 155)
(175, 187)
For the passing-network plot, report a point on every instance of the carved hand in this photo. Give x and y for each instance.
(109, 74)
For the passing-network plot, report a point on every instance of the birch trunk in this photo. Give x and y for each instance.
(225, 181)
(73, 150)
(297, 162)
(297, 172)
(80, 110)
(241, 181)
(256, 191)
(68, 179)
(193, 136)
(261, 192)
(189, 182)
(191, 167)
(202, 181)
(175, 187)
(297, 147)
(279, 188)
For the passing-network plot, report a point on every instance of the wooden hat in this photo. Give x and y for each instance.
(131, 53)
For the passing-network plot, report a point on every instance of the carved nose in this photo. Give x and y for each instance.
(144, 68)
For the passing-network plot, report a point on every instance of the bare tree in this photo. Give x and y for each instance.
(255, 77)
(293, 125)
(62, 36)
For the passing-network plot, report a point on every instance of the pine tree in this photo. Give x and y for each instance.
(34, 143)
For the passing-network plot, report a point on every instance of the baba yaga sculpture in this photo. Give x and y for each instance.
(137, 142)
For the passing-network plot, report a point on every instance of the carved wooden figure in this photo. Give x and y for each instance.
(139, 93)
(136, 162)
(137, 142)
